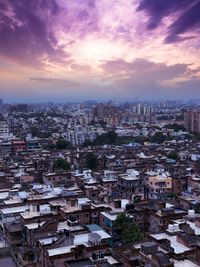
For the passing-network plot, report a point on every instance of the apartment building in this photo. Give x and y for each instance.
(159, 186)
(192, 120)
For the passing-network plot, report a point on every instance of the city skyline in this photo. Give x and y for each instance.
(60, 50)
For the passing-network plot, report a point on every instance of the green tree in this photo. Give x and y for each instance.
(62, 144)
(109, 138)
(121, 221)
(61, 164)
(45, 135)
(50, 146)
(87, 143)
(131, 233)
(173, 155)
(128, 231)
(158, 138)
(34, 131)
(91, 161)
(112, 136)
(176, 127)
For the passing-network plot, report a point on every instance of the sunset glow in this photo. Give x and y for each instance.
(81, 46)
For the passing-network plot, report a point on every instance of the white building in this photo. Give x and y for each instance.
(79, 135)
(4, 130)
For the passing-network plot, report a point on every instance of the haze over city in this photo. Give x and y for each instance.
(64, 50)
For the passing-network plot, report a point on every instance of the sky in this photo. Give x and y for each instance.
(73, 50)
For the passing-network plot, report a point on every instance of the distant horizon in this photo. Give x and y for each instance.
(9, 102)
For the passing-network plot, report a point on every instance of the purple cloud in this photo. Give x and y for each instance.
(81, 68)
(146, 79)
(24, 35)
(29, 30)
(158, 9)
(54, 80)
(186, 11)
(142, 68)
(189, 20)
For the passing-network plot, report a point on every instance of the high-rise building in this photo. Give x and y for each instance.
(192, 120)
(144, 110)
(4, 129)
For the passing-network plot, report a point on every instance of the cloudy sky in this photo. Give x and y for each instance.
(61, 50)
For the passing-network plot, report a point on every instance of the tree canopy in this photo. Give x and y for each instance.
(50, 145)
(158, 138)
(61, 164)
(62, 144)
(91, 161)
(34, 131)
(128, 231)
(106, 138)
(176, 127)
(173, 155)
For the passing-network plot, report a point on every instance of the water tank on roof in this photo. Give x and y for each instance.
(191, 212)
(176, 227)
(170, 227)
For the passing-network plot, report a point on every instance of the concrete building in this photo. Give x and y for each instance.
(131, 185)
(159, 186)
(192, 120)
(4, 130)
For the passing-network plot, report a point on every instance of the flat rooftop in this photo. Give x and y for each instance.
(12, 210)
(4, 195)
(130, 178)
(184, 263)
(178, 247)
(32, 226)
(48, 240)
(64, 225)
(78, 240)
(60, 250)
(12, 201)
(110, 216)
